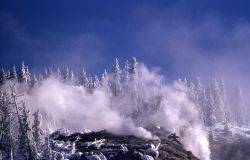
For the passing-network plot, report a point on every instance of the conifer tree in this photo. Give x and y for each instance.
(47, 152)
(37, 131)
(8, 74)
(104, 79)
(14, 74)
(2, 76)
(40, 78)
(66, 74)
(34, 81)
(22, 76)
(45, 73)
(96, 82)
(26, 141)
(218, 101)
(28, 76)
(83, 78)
(116, 78)
(71, 77)
(58, 73)
(49, 71)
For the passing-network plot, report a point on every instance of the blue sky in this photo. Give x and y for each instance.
(184, 38)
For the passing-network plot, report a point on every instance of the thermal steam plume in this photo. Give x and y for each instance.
(120, 106)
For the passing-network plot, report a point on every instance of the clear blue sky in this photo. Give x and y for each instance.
(182, 37)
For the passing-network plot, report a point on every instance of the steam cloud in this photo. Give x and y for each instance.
(157, 103)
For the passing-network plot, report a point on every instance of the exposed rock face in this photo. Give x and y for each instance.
(103, 145)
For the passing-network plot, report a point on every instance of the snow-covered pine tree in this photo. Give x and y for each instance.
(8, 74)
(96, 82)
(47, 150)
(37, 131)
(2, 76)
(28, 76)
(22, 78)
(45, 73)
(104, 79)
(83, 80)
(198, 92)
(116, 78)
(26, 141)
(40, 78)
(237, 106)
(218, 101)
(34, 81)
(49, 71)
(7, 122)
(71, 77)
(13, 73)
(58, 73)
(66, 74)
(209, 113)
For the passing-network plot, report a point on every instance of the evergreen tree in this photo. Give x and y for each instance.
(116, 78)
(66, 74)
(2, 76)
(58, 73)
(45, 73)
(14, 74)
(22, 76)
(37, 131)
(34, 81)
(26, 141)
(209, 116)
(96, 82)
(71, 77)
(8, 75)
(49, 71)
(238, 108)
(130, 70)
(104, 79)
(7, 121)
(219, 106)
(28, 76)
(47, 152)
(40, 78)
(83, 78)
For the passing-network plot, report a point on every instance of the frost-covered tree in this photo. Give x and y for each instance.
(116, 78)
(131, 69)
(40, 77)
(58, 73)
(104, 79)
(28, 76)
(34, 81)
(26, 142)
(237, 106)
(96, 82)
(7, 125)
(13, 73)
(22, 78)
(219, 106)
(49, 71)
(45, 73)
(8, 74)
(47, 151)
(209, 116)
(3, 76)
(83, 80)
(66, 74)
(71, 77)
(37, 131)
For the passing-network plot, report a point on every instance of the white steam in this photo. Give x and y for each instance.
(147, 101)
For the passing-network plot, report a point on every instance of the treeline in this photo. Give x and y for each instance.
(21, 137)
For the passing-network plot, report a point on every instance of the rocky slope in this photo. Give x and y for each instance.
(104, 145)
